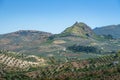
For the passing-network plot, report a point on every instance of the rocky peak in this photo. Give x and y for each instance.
(79, 29)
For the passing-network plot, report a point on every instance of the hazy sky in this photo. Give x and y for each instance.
(56, 15)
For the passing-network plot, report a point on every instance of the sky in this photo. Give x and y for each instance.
(56, 15)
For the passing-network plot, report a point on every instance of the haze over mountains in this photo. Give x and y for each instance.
(113, 30)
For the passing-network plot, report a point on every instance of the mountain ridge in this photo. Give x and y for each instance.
(44, 43)
(112, 30)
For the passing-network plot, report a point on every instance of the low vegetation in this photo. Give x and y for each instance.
(77, 53)
(101, 68)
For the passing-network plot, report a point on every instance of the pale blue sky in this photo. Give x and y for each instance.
(56, 15)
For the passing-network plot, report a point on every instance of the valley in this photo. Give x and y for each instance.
(77, 53)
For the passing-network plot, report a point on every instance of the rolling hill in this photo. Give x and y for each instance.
(23, 40)
(45, 44)
(77, 53)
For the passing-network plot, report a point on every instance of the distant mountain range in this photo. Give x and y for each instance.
(113, 30)
(72, 42)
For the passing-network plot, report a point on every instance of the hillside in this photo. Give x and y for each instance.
(113, 30)
(23, 40)
(77, 53)
(79, 29)
(79, 36)
(19, 61)
(101, 68)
